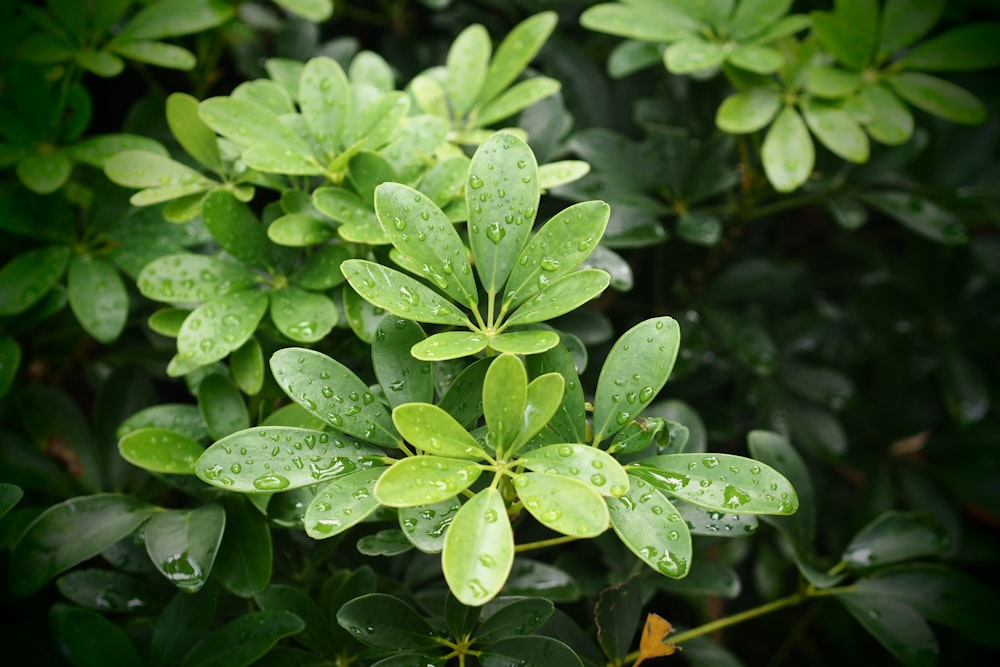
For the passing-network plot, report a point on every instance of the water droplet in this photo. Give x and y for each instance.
(710, 462)
(549, 264)
(598, 479)
(565, 450)
(494, 232)
(475, 182)
(271, 482)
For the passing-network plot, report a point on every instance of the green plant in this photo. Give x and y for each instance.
(340, 381)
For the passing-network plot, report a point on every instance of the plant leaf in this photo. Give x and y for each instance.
(635, 370)
(145, 169)
(788, 153)
(886, 118)
(69, 533)
(466, 66)
(345, 502)
(897, 626)
(237, 229)
(776, 451)
(340, 398)
(748, 110)
(89, 639)
(561, 296)
(478, 549)
(531, 341)
(906, 21)
(222, 406)
(305, 317)
(28, 277)
(589, 465)
(449, 345)
(425, 526)
(189, 278)
(400, 294)
(516, 98)
(160, 450)
(386, 622)
(250, 124)
(155, 53)
(243, 640)
(939, 97)
(325, 99)
(403, 378)
(183, 543)
(895, 536)
(650, 22)
(424, 480)
(191, 132)
(216, 328)
(502, 194)
(97, 296)
(974, 46)
(837, 130)
(721, 482)
(431, 429)
(564, 504)
(649, 525)
(517, 49)
(921, 215)
(505, 395)
(693, 54)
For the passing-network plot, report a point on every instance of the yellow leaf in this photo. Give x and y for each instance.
(654, 643)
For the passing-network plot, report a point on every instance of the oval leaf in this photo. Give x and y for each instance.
(426, 525)
(216, 328)
(160, 450)
(190, 278)
(305, 317)
(183, 544)
(425, 480)
(400, 294)
(652, 528)
(343, 503)
(564, 504)
(588, 464)
(97, 296)
(478, 549)
(788, 153)
(428, 427)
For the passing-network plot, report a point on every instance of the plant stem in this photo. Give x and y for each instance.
(541, 544)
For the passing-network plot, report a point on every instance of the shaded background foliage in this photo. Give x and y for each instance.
(847, 318)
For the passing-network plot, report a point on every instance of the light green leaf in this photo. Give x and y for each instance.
(975, 46)
(756, 58)
(564, 504)
(317, 11)
(788, 152)
(300, 230)
(516, 98)
(559, 247)
(370, 68)
(193, 135)
(305, 317)
(70, 533)
(160, 450)
(95, 151)
(429, 95)
(280, 160)
(246, 365)
(837, 130)
(324, 97)
(939, 97)
(921, 215)
(518, 48)
(832, 83)
(421, 231)
(531, 341)
(850, 32)
(279, 458)
(425, 526)
(896, 625)
(189, 278)
(331, 391)
(249, 124)
(502, 194)
(425, 480)
(562, 296)
(554, 174)
(478, 549)
(632, 56)
(28, 277)
(359, 222)
(884, 116)
(183, 544)
(691, 55)
(143, 169)
(748, 110)
(342, 504)
(45, 173)
(321, 270)
(505, 396)
(720, 482)
(378, 123)
(467, 62)
(97, 296)
(236, 228)
(752, 17)
(178, 417)
(906, 21)
(543, 398)
(101, 63)
(635, 370)
(155, 53)
(430, 428)
(651, 22)
(652, 528)
(400, 294)
(272, 97)
(217, 327)
(590, 465)
(172, 18)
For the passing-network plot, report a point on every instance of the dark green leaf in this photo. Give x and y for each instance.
(775, 450)
(237, 229)
(894, 536)
(386, 622)
(243, 562)
(183, 544)
(28, 277)
(513, 617)
(222, 406)
(616, 614)
(974, 46)
(920, 215)
(389, 542)
(315, 634)
(939, 97)
(897, 626)
(182, 623)
(906, 21)
(532, 650)
(97, 296)
(242, 641)
(90, 639)
(10, 495)
(343, 503)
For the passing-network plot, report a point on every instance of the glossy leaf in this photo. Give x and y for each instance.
(559, 247)
(110, 591)
(431, 429)
(534, 650)
(425, 526)
(180, 418)
(305, 317)
(518, 48)
(649, 525)
(243, 640)
(324, 97)
(788, 153)
(895, 536)
(97, 296)
(425, 480)
(234, 225)
(564, 504)
(463, 395)
(450, 345)
(386, 622)
(776, 451)
(897, 626)
(400, 294)
(638, 435)
(543, 398)
(502, 193)
(635, 370)
(419, 229)
(837, 130)
(70, 533)
(561, 296)
(343, 503)
(160, 450)
(569, 421)
(504, 400)
(748, 110)
(939, 97)
(191, 132)
(587, 464)
(920, 215)
(246, 365)
(691, 55)
(403, 378)
(712, 523)
(531, 341)
(28, 277)
(478, 549)
(279, 458)
(190, 278)
(332, 392)
(721, 482)
(218, 327)
(299, 230)
(182, 544)
(179, 17)
(616, 615)
(91, 639)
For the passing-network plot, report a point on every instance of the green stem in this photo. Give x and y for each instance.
(541, 544)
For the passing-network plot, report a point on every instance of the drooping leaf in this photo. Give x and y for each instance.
(182, 544)
(478, 549)
(345, 502)
(635, 370)
(535, 650)
(279, 458)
